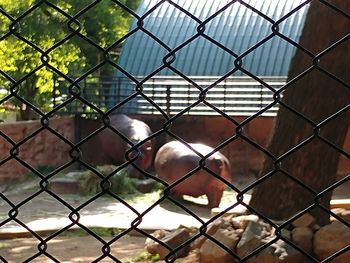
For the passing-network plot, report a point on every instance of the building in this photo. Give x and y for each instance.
(208, 49)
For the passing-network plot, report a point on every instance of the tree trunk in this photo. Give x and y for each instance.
(29, 92)
(316, 96)
(106, 77)
(27, 113)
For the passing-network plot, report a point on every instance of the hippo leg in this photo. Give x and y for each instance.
(214, 198)
(134, 173)
(174, 195)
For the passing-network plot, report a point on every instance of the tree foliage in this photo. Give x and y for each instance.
(68, 23)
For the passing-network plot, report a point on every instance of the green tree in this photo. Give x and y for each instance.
(45, 25)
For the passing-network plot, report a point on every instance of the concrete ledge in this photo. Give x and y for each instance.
(336, 203)
(340, 203)
(64, 186)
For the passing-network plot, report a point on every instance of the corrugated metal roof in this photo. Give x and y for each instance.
(237, 27)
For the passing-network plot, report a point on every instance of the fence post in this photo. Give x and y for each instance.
(54, 92)
(153, 93)
(261, 96)
(168, 105)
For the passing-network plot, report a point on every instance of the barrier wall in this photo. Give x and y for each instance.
(45, 149)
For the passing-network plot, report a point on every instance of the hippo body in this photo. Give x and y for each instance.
(174, 160)
(115, 147)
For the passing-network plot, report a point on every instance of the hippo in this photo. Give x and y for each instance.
(174, 160)
(115, 147)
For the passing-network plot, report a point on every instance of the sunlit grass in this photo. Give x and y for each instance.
(3, 245)
(144, 255)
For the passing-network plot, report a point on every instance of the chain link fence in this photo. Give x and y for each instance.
(201, 95)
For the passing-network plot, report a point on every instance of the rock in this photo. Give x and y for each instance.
(227, 222)
(316, 227)
(158, 234)
(302, 236)
(343, 213)
(330, 239)
(243, 220)
(277, 252)
(152, 246)
(211, 229)
(193, 257)
(252, 236)
(211, 252)
(236, 211)
(74, 174)
(286, 234)
(172, 239)
(257, 234)
(64, 186)
(306, 220)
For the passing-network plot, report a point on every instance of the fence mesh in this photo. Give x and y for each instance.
(72, 26)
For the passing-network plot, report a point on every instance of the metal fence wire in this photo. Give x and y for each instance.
(74, 95)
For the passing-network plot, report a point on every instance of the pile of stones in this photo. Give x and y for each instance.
(302, 241)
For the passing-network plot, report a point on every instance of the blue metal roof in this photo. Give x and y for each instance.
(237, 27)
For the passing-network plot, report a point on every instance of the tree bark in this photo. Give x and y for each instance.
(316, 96)
(28, 91)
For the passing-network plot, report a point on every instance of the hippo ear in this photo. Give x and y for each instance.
(219, 162)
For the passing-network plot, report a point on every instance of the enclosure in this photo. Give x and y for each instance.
(264, 85)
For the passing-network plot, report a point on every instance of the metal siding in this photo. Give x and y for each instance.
(217, 55)
(162, 33)
(238, 28)
(188, 56)
(275, 46)
(224, 60)
(204, 46)
(131, 45)
(284, 46)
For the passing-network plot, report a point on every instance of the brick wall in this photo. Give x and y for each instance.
(45, 149)
(213, 131)
(204, 129)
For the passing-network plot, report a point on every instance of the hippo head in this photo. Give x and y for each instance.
(223, 165)
(122, 135)
(143, 161)
(146, 157)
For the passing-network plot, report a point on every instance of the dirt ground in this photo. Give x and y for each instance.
(77, 249)
(70, 249)
(43, 212)
(80, 249)
(74, 248)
